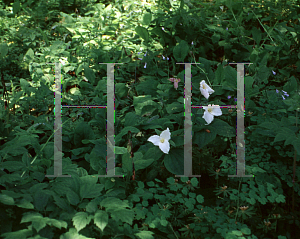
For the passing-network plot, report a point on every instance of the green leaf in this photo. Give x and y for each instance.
(200, 199)
(142, 32)
(219, 75)
(296, 144)
(180, 51)
(101, 219)
(89, 188)
(21, 234)
(39, 224)
(125, 215)
(280, 198)
(3, 50)
(222, 128)
(230, 78)
(29, 56)
(145, 234)
(174, 161)
(127, 163)
(203, 138)
(25, 204)
(120, 150)
(40, 200)
(246, 231)
(7, 200)
(147, 17)
(80, 220)
(280, 137)
(13, 166)
(174, 107)
(89, 74)
(121, 90)
(237, 233)
(113, 203)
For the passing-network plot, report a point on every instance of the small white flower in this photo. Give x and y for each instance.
(205, 89)
(210, 112)
(162, 141)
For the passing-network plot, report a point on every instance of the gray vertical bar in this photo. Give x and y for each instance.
(57, 126)
(110, 159)
(240, 138)
(188, 163)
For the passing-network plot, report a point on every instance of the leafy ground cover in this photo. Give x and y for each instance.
(149, 38)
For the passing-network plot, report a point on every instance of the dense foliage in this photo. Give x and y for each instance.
(149, 38)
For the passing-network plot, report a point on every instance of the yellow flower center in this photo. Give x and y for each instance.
(203, 86)
(209, 110)
(162, 140)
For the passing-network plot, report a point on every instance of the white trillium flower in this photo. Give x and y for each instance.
(205, 89)
(162, 141)
(210, 112)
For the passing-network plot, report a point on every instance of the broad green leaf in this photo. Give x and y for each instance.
(280, 137)
(145, 234)
(29, 56)
(142, 32)
(222, 128)
(101, 219)
(174, 161)
(142, 164)
(147, 17)
(113, 203)
(89, 74)
(7, 200)
(180, 51)
(24, 204)
(31, 216)
(89, 188)
(21, 234)
(80, 220)
(120, 150)
(125, 215)
(39, 224)
(203, 138)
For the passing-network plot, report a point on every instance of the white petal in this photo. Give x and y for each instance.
(210, 90)
(154, 139)
(204, 93)
(165, 147)
(208, 117)
(216, 111)
(166, 134)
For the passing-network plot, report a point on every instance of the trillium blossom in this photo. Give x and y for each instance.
(210, 112)
(175, 80)
(205, 89)
(162, 141)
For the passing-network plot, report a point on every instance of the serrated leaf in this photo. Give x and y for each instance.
(145, 234)
(125, 215)
(101, 219)
(279, 137)
(80, 220)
